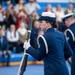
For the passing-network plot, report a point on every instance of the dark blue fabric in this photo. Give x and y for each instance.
(59, 51)
(33, 38)
(4, 47)
(61, 27)
(52, 19)
(3, 44)
(72, 44)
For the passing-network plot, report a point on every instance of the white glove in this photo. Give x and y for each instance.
(26, 45)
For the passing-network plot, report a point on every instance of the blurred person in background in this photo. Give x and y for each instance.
(34, 34)
(53, 48)
(22, 16)
(4, 25)
(19, 6)
(13, 38)
(69, 9)
(10, 16)
(22, 30)
(31, 6)
(22, 33)
(59, 13)
(2, 16)
(4, 47)
(35, 15)
(48, 8)
(68, 19)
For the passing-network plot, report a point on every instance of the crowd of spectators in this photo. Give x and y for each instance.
(16, 19)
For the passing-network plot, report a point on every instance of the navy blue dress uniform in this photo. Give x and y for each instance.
(70, 34)
(53, 49)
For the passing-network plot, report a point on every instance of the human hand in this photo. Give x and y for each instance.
(26, 45)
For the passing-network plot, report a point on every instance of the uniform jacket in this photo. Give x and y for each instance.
(70, 33)
(58, 51)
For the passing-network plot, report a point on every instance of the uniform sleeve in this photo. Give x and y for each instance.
(67, 50)
(69, 39)
(40, 52)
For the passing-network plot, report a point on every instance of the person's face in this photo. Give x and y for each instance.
(67, 22)
(12, 27)
(58, 7)
(49, 6)
(36, 24)
(70, 6)
(10, 7)
(43, 25)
